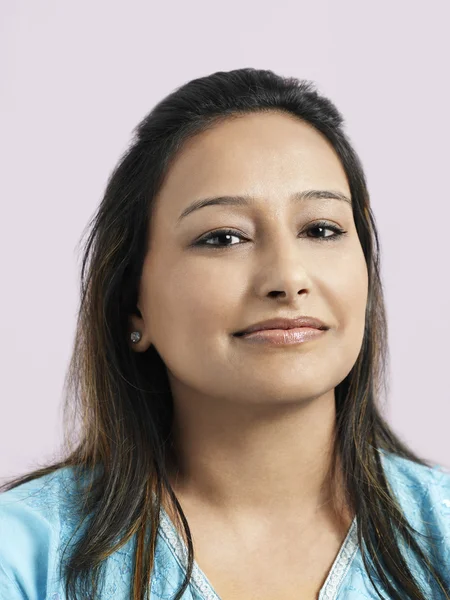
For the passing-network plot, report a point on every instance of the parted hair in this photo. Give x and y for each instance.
(120, 402)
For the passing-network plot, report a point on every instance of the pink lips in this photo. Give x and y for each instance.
(285, 323)
(280, 337)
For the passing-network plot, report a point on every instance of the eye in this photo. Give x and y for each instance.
(220, 233)
(320, 226)
(323, 226)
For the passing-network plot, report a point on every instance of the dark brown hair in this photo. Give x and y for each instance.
(121, 399)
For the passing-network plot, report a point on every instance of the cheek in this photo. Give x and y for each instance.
(192, 301)
(351, 299)
(188, 313)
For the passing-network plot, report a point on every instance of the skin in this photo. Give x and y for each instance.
(253, 423)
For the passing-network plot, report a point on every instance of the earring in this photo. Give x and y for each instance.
(135, 336)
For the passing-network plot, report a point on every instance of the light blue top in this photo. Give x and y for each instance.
(35, 520)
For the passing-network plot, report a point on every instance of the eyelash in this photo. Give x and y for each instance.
(338, 232)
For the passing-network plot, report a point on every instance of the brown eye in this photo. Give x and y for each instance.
(220, 233)
(322, 226)
(228, 234)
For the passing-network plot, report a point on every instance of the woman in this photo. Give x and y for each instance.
(240, 203)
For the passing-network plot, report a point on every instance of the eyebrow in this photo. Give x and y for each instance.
(247, 200)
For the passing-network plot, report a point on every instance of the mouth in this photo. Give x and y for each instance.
(282, 337)
(286, 329)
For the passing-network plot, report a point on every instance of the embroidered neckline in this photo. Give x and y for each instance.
(328, 591)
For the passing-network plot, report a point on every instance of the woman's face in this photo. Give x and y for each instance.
(193, 298)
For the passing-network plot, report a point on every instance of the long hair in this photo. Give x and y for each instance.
(121, 400)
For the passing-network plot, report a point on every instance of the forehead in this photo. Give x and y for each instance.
(259, 154)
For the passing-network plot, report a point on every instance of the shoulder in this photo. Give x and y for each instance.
(39, 518)
(420, 488)
(423, 492)
(35, 517)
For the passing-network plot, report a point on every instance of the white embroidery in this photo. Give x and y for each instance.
(329, 589)
(179, 547)
(341, 564)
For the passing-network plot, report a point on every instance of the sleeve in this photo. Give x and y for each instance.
(439, 512)
(26, 540)
(9, 589)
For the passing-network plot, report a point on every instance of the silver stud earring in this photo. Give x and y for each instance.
(135, 336)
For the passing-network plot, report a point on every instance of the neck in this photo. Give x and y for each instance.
(251, 461)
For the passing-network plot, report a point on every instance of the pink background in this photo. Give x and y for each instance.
(76, 77)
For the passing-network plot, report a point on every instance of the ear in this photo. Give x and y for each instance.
(136, 323)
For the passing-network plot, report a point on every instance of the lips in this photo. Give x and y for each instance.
(282, 323)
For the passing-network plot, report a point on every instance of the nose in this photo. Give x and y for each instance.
(282, 270)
